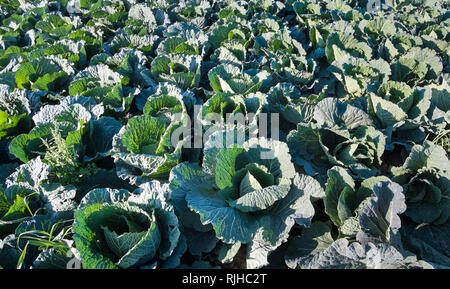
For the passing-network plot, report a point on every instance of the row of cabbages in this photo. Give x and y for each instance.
(93, 91)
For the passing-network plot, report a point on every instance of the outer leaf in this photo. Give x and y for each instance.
(379, 218)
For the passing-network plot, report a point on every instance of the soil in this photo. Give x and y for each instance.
(391, 159)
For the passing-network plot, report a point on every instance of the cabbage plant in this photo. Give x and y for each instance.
(119, 229)
(145, 148)
(248, 192)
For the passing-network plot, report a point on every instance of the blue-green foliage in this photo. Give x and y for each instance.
(94, 172)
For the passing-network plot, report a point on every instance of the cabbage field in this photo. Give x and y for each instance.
(248, 134)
